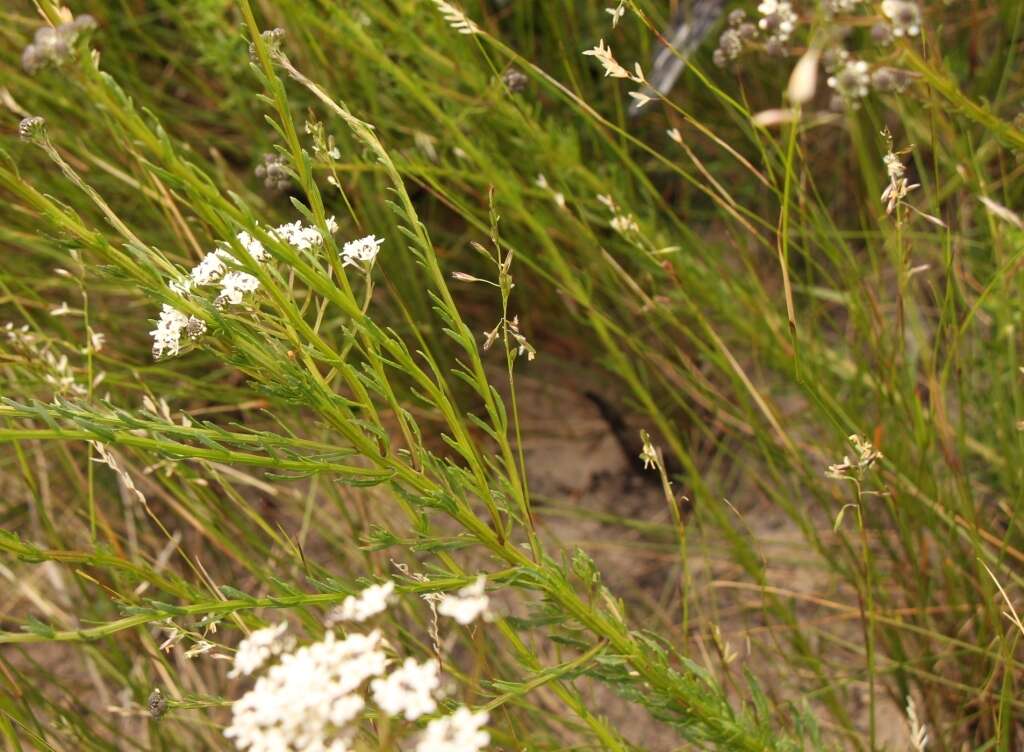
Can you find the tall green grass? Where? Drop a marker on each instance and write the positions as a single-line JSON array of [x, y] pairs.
[[764, 309]]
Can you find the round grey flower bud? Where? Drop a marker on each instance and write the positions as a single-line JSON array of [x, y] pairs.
[[515, 80], [32, 128]]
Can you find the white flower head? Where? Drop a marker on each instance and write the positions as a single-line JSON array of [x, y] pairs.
[[778, 20], [468, 605], [309, 699], [252, 246], [624, 224], [258, 647], [361, 251], [167, 335], [370, 602], [408, 690], [303, 237], [842, 6], [459, 732], [904, 15], [210, 269], [852, 81], [235, 285]]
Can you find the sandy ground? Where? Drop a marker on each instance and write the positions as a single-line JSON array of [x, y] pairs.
[[582, 479]]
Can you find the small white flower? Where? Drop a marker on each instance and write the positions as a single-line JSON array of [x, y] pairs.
[[370, 602], [258, 647], [252, 246], [842, 6], [309, 699], [904, 15], [303, 237], [97, 340], [852, 81], [624, 224], [210, 269], [235, 285], [167, 335], [362, 251], [458, 732], [408, 690], [182, 287], [675, 135], [778, 20], [468, 605]]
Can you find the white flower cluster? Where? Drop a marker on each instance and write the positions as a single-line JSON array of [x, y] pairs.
[[468, 605], [169, 328], [258, 647], [309, 700], [904, 15], [313, 699], [362, 251], [624, 224], [409, 690], [778, 20], [851, 82], [303, 237], [214, 268], [842, 6], [459, 732], [370, 602]]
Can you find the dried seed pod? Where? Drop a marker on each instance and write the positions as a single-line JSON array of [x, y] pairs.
[[156, 704]]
